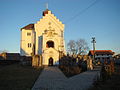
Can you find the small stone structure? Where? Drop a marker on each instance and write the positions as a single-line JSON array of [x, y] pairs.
[[89, 64], [37, 60]]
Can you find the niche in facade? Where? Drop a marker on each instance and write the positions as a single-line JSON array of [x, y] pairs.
[[50, 44]]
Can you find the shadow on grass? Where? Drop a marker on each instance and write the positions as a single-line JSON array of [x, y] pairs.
[[17, 77]]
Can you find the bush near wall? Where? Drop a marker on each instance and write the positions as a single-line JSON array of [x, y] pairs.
[[71, 67]]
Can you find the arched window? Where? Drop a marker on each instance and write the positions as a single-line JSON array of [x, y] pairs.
[[50, 44]]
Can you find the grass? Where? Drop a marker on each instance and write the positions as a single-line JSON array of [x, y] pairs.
[[17, 77]]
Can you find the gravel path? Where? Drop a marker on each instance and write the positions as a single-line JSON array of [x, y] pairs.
[[52, 78]]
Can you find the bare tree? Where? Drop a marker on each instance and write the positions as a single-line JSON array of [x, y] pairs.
[[71, 46], [81, 46], [78, 47]]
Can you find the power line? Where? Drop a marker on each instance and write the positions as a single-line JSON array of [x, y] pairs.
[[81, 12]]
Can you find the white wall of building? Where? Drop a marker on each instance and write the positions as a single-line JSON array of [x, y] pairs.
[[49, 28], [26, 39]]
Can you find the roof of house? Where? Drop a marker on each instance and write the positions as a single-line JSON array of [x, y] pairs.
[[91, 52], [28, 27]]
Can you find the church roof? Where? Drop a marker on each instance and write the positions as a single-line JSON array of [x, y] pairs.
[[28, 27]]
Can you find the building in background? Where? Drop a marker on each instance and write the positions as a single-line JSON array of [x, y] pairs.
[[117, 59], [9, 56], [101, 55], [45, 38]]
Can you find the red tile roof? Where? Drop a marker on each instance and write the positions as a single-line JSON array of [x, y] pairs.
[[101, 52], [28, 27]]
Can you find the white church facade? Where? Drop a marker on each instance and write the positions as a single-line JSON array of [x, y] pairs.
[[45, 38]]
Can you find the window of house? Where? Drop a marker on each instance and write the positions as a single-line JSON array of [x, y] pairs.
[[28, 34], [29, 45]]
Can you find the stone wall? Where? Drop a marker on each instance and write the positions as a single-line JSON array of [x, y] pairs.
[[37, 61]]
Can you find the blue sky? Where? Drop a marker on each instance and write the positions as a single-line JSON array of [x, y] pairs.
[[101, 20]]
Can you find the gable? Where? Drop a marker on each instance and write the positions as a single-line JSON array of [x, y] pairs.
[[49, 21]]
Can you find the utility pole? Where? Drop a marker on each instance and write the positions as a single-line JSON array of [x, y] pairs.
[[93, 41]]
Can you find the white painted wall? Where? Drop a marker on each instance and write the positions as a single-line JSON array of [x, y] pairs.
[[41, 34], [25, 39], [49, 23]]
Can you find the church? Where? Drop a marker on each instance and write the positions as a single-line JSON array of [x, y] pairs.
[[45, 38]]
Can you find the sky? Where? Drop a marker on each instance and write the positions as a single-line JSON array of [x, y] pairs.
[[82, 18]]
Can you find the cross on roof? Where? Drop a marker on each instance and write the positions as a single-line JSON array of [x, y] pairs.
[[46, 5]]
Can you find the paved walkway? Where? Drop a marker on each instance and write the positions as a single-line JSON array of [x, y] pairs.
[[52, 78]]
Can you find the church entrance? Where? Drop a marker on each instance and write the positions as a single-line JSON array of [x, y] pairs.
[[50, 61]]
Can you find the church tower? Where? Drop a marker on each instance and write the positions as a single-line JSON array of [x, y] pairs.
[[45, 38]]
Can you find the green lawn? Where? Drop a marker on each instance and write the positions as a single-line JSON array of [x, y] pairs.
[[17, 77]]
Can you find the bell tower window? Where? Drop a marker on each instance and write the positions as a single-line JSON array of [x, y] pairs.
[[29, 45], [50, 44]]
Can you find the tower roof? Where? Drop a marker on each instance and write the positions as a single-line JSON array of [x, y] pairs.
[[45, 12]]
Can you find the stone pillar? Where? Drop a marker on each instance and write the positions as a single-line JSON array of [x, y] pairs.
[[89, 64], [37, 61], [40, 60]]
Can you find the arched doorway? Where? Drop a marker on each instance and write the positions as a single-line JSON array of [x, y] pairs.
[[50, 61]]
